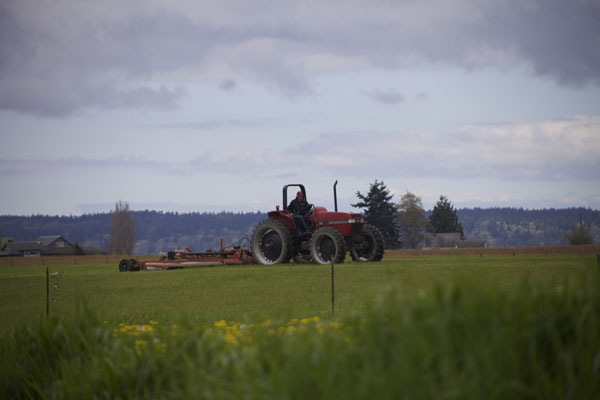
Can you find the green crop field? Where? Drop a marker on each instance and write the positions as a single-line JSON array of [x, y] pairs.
[[464, 325], [251, 293]]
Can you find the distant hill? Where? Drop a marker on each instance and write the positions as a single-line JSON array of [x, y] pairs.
[[158, 231], [517, 227]]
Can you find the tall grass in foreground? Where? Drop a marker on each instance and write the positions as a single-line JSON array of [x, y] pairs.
[[453, 341]]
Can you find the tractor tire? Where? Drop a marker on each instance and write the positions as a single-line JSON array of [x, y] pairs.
[[371, 247], [327, 246], [271, 243], [125, 265]]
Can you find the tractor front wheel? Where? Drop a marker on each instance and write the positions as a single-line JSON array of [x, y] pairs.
[[370, 247], [271, 243], [327, 246]]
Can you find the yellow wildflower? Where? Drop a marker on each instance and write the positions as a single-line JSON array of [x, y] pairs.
[[139, 345], [220, 324], [229, 337], [335, 325], [305, 321]]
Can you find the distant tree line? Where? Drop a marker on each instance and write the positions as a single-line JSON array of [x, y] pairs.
[[155, 231], [508, 227], [403, 225]]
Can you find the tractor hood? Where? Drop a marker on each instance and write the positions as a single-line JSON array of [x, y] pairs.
[[347, 223]]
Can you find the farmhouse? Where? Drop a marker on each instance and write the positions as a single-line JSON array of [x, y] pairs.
[[450, 240], [42, 246]]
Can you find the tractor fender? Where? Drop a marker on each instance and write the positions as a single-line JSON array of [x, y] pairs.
[[284, 217]]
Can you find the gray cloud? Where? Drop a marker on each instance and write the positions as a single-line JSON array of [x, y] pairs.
[[12, 167], [538, 161], [561, 150], [390, 96], [227, 85], [560, 39], [113, 55], [421, 96], [553, 150], [213, 124]]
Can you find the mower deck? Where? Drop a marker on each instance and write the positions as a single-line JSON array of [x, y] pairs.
[[180, 259]]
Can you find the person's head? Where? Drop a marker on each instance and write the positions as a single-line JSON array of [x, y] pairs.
[[299, 195]]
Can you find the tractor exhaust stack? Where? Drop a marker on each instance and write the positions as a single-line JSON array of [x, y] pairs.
[[335, 195]]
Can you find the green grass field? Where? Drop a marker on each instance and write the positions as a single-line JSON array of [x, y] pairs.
[[460, 326], [253, 293]]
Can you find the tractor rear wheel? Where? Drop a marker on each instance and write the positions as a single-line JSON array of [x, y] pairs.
[[371, 246], [271, 243], [327, 246]]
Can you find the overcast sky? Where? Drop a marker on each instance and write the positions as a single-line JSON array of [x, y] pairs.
[[210, 106]]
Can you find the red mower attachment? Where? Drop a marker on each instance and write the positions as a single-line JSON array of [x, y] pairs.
[[179, 259]]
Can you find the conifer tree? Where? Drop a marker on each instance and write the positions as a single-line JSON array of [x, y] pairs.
[[443, 218], [380, 212]]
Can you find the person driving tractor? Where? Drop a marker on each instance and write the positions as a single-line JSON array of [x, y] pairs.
[[300, 207]]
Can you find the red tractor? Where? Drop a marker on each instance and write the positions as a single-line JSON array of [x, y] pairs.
[[325, 239]]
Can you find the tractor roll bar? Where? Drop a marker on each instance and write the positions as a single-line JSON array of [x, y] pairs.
[[302, 189]]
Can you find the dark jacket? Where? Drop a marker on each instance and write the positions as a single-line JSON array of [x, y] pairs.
[[299, 206]]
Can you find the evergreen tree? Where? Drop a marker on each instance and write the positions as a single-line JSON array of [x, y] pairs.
[[380, 212], [411, 219], [443, 218]]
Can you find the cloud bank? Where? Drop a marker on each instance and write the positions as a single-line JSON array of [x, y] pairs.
[[552, 151], [112, 54]]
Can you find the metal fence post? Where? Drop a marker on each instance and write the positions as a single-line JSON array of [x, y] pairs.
[[332, 289], [47, 293]]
